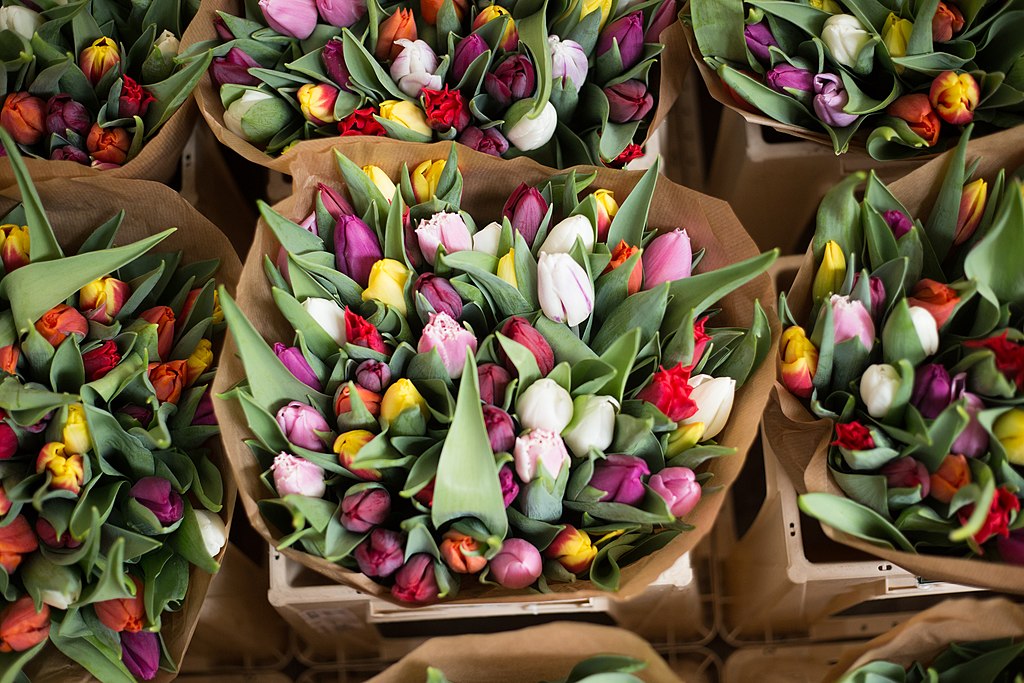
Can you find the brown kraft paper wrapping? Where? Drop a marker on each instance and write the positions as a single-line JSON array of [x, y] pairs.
[[488, 183], [75, 206], [925, 635], [541, 653], [207, 93], [800, 441]]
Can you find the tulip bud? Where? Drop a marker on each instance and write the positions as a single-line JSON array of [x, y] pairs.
[[381, 554], [64, 114], [20, 20], [850, 320], [425, 179], [21, 626], [292, 18], [155, 494], [714, 398], [669, 257], [876, 293], [832, 272], [665, 15], [387, 284], [878, 388], [405, 114], [759, 38], [365, 509], [48, 535], [510, 36], [493, 380], [568, 62], [620, 255], [953, 474], [462, 553], [234, 68], [101, 360], [416, 582], [917, 111], [1004, 509], [24, 117], [932, 390], [57, 586], [787, 79], [140, 653], [592, 424], [926, 329], [512, 80], [628, 33], [66, 470], [213, 531], [607, 207], [99, 58], [679, 488], [257, 116], [972, 208], [124, 614], [517, 565], [164, 319], [5, 503], [799, 361], [621, 479], [356, 248], [402, 396], [293, 360], [347, 447], [360, 332], [500, 430], [946, 22], [76, 432], [562, 238], [907, 473], [954, 97], [528, 133], [199, 361], [539, 449], [830, 100], [303, 426], [204, 414], [14, 246], [102, 299], [333, 59], [168, 380], [413, 69], [1011, 548], [936, 298], [373, 375], [489, 141], [525, 209], [443, 229], [317, 103], [430, 8], [683, 438], [16, 541], [628, 101], [1009, 431], [108, 145], [466, 52], [898, 222], [845, 38], [507, 268], [399, 26], [896, 36], [450, 340], [297, 476], [167, 44], [341, 13], [343, 400], [134, 99], [520, 331], [381, 180], [545, 405], [973, 440], [440, 294], [572, 549], [329, 316]]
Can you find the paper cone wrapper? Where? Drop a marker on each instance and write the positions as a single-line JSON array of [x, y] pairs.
[[75, 206], [800, 440], [488, 183]]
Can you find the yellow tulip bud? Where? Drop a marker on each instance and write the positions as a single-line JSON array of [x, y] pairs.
[[76, 431], [607, 207], [799, 361], [684, 438], [401, 396], [830, 6], [507, 267], [14, 246], [425, 178], [572, 549], [379, 178], [348, 445], [831, 273], [406, 114], [199, 361], [1009, 430], [218, 312], [896, 35], [387, 284]]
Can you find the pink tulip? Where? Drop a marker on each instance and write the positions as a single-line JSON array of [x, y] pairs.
[[443, 229], [669, 257], [300, 424], [679, 487], [297, 476], [381, 554], [293, 18], [539, 448], [451, 341], [850, 320], [517, 565], [365, 509], [415, 582], [621, 478]]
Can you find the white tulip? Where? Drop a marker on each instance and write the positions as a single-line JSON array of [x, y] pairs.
[[329, 316], [568, 61], [845, 37], [562, 237], [486, 240], [592, 425], [414, 67], [257, 116], [878, 388], [565, 291], [215, 534], [168, 45], [59, 586], [927, 330], [714, 397], [20, 20], [544, 405], [526, 133]]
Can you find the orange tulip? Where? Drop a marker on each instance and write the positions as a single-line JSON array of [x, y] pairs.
[[9, 356], [16, 539], [430, 8], [343, 401], [348, 445], [108, 145], [401, 24], [24, 117], [22, 627], [620, 255], [917, 111], [67, 471], [14, 246], [946, 22], [972, 208], [124, 614], [462, 553], [936, 298], [163, 318], [60, 321], [954, 96], [168, 379], [799, 361], [953, 474]]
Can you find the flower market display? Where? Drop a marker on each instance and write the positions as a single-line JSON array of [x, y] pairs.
[[901, 78], [95, 81], [910, 353], [562, 82], [520, 398], [112, 502]]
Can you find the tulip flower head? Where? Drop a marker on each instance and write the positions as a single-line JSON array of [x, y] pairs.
[[568, 62], [22, 626], [341, 13], [627, 33], [572, 549], [381, 554], [954, 97], [101, 360], [102, 299], [297, 476], [853, 436], [291, 357], [98, 58], [405, 114], [545, 405], [510, 36], [784, 77], [416, 581], [759, 38], [450, 340], [75, 433], [60, 322], [850, 320], [592, 425], [292, 18], [463, 554], [16, 541], [830, 100], [402, 396], [446, 230], [946, 22], [565, 290], [938, 299], [607, 207], [365, 509], [679, 488], [373, 375], [124, 614], [347, 447], [917, 111], [525, 209], [156, 494], [878, 388], [20, 20], [513, 79], [303, 426], [466, 52], [66, 470], [387, 284], [799, 361], [527, 132], [972, 208], [925, 328], [932, 390], [973, 440], [621, 479], [537, 449], [168, 380], [24, 117], [413, 69], [517, 565], [489, 141], [669, 392], [907, 473], [669, 257], [140, 652], [831, 273], [896, 36], [14, 246], [953, 474], [846, 38], [1009, 431], [714, 398], [317, 103], [1003, 511]]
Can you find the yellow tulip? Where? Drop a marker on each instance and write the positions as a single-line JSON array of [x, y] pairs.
[[199, 361], [425, 178], [896, 35], [387, 284], [401, 396], [405, 114], [379, 178], [507, 268], [684, 438], [832, 272], [76, 431], [1009, 430]]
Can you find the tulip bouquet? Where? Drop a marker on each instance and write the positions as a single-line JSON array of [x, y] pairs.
[[562, 82], [990, 660], [92, 81], [916, 356], [107, 495], [516, 403], [908, 75]]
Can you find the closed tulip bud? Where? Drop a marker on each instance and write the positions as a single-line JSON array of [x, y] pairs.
[[500, 430], [440, 294], [525, 209], [621, 479], [360, 332], [1009, 431], [799, 361], [373, 375], [292, 359], [16, 541], [509, 487], [946, 22], [303, 426], [76, 430], [446, 230], [317, 103], [103, 299], [140, 653], [101, 360], [134, 99], [572, 549], [198, 361], [402, 396], [69, 153], [20, 20], [517, 565], [545, 405], [917, 111], [381, 180], [785, 78], [953, 474], [156, 494], [57, 586], [234, 68], [528, 133], [489, 141], [9, 443], [399, 26], [522, 332], [832, 272], [341, 13], [99, 58], [381, 554], [466, 52], [416, 582], [932, 390], [14, 246], [297, 476], [926, 329], [168, 380], [463, 554], [850, 320], [679, 488], [365, 509], [565, 290], [108, 145], [954, 97], [507, 268], [22, 627], [64, 114], [972, 208], [714, 398], [329, 316], [665, 15], [124, 614], [343, 400], [493, 380], [48, 535], [669, 257], [620, 255], [562, 238], [9, 356], [592, 424], [845, 38], [607, 207], [167, 44], [759, 38], [164, 319], [568, 62], [973, 440], [628, 33], [510, 36], [539, 451], [257, 116], [425, 178], [332, 57], [356, 248], [347, 447], [387, 284], [669, 392], [512, 80], [66, 470], [936, 298], [898, 222], [413, 69], [628, 101], [907, 473], [878, 388], [292, 18], [896, 35], [24, 117], [213, 531], [450, 340], [830, 100]]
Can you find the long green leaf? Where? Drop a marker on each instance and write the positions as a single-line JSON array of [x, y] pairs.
[[43, 244]]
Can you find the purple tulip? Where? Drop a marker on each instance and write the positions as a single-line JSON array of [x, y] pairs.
[[525, 209], [64, 114], [973, 440], [829, 99], [621, 479], [666, 15], [297, 476], [356, 249], [679, 488], [1011, 548], [142, 414], [302, 426], [337, 206], [759, 38], [292, 18], [877, 290], [381, 554], [69, 153], [440, 294], [373, 375], [223, 32], [509, 487], [234, 68], [898, 222], [669, 257], [850, 320], [333, 59], [341, 13], [416, 581], [628, 32], [140, 653], [517, 565], [365, 509], [628, 101], [785, 76], [500, 430], [906, 473], [204, 414], [489, 140], [292, 358], [932, 390], [494, 380], [155, 494], [513, 80], [466, 52]]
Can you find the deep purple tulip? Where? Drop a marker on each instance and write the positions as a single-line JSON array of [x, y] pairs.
[[223, 32], [906, 473], [234, 68], [898, 222], [973, 440], [759, 38], [356, 249], [63, 114], [666, 15], [494, 381], [877, 289], [932, 390], [333, 59], [784, 76], [296, 363], [142, 414], [468, 49], [140, 652], [336, 204], [204, 414], [525, 209], [69, 153], [509, 487], [500, 430], [829, 99], [628, 101], [628, 32], [440, 294], [1011, 548], [514, 79], [621, 478], [155, 493], [489, 141]]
